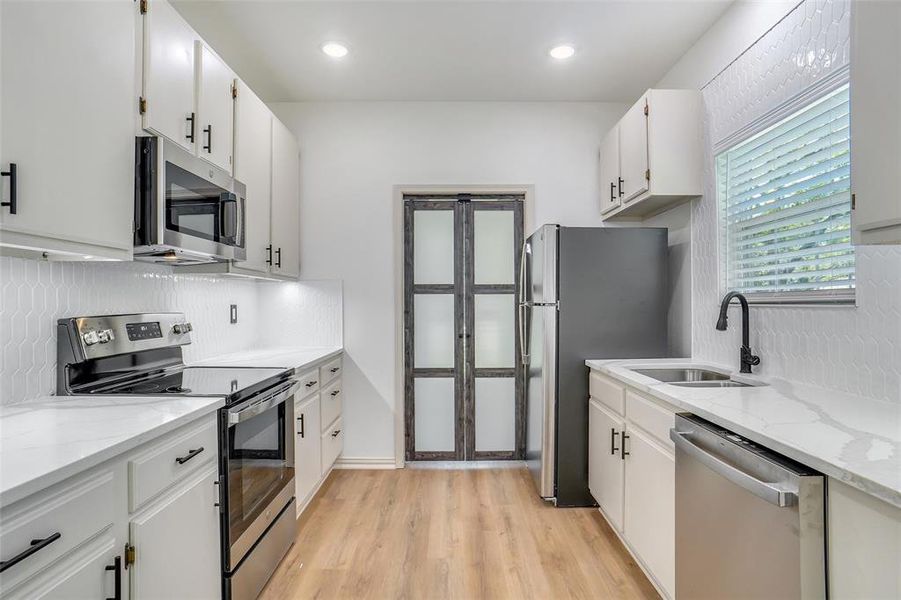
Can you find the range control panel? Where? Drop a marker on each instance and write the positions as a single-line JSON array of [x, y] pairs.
[[102, 336]]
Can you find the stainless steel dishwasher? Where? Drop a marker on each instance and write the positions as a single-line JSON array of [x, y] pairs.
[[750, 523]]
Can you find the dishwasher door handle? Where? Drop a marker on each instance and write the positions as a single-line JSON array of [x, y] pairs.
[[772, 493]]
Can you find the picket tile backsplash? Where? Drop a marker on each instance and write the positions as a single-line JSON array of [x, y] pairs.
[[34, 294], [853, 349]]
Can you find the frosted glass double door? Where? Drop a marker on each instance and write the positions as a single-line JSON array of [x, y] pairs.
[[463, 380]]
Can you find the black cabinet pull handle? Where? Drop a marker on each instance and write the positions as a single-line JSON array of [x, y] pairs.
[[310, 384], [335, 393], [117, 568], [12, 174], [620, 186], [622, 451], [613, 448], [300, 433], [36, 546], [208, 130], [269, 254], [191, 454], [612, 191], [278, 258], [190, 134], [334, 369], [336, 432]]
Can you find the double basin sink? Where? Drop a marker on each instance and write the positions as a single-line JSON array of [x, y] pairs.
[[692, 377]]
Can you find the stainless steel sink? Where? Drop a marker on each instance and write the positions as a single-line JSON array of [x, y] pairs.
[[710, 384], [684, 375]]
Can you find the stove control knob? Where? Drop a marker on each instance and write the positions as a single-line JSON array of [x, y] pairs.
[[90, 337], [105, 336], [180, 328]]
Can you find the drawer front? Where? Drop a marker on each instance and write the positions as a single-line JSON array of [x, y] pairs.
[[608, 392], [332, 402], [330, 370], [650, 416], [171, 459], [63, 517], [332, 445], [309, 383]]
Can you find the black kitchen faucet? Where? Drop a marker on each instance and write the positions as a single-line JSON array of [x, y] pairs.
[[747, 358]]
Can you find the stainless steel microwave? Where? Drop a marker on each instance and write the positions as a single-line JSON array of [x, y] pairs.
[[187, 211]]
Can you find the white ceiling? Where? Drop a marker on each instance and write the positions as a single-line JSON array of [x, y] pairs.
[[451, 50]]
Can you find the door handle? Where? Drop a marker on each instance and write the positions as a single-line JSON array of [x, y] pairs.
[[523, 342], [613, 448], [620, 186], [612, 191], [190, 134], [116, 567], [278, 258], [772, 493], [269, 254], [622, 445], [35, 547], [300, 433], [191, 454], [12, 173], [208, 130]]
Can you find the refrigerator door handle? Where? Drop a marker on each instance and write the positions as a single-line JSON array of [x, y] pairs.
[[523, 306]]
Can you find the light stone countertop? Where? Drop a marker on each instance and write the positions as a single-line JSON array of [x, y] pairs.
[[280, 358], [47, 440], [851, 438]]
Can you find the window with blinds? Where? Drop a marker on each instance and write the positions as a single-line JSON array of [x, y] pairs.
[[785, 202]]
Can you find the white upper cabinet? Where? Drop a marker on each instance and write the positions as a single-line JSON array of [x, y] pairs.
[[169, 71], [611, 186], [215, 107], [876, 122], [633, 151], [659, 158], [67, 123], [285, 202], [253, 168]]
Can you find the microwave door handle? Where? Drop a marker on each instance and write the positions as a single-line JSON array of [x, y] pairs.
[[228, 227]]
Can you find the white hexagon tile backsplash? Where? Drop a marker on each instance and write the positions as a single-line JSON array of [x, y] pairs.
[[852, 349], [34, 294]]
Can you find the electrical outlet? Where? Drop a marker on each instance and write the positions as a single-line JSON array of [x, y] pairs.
[[233, 314]]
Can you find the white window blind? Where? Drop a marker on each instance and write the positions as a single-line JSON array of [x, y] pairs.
[[785, 203]]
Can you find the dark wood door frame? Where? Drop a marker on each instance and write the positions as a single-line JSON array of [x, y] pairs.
[[464, 289]]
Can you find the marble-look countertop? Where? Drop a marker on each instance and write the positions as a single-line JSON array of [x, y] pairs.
[[851, 438], [280, 358], [46, 440]]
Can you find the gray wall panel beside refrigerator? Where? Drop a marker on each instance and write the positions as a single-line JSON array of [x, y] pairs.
[[610, 301]]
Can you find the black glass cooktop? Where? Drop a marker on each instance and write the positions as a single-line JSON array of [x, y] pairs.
[[195, 381]]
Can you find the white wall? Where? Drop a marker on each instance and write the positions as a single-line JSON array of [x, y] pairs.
[[352, 156], [853, 349]]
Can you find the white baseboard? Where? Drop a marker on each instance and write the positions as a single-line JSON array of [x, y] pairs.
[[365, 462]]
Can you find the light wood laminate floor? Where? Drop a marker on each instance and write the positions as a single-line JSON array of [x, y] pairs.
[[468, 534]]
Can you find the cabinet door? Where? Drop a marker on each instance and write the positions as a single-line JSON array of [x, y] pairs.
[[285, 201], [88, 573], [609, 171], [67, 110], [633, 151], [650, 506], [307, 448], [253, 168], [169, 66], [605, 463], [876, 122], [177, 543], [215, 108]]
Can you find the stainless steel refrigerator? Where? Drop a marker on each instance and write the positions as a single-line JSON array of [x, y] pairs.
[[585, 292]]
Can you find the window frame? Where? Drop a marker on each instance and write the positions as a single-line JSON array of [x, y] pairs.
[[811, 95]]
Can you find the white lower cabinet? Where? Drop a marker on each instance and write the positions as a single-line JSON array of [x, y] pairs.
[[605, 465], [307, 449], [176, 542], [332, 445], [631, 474]]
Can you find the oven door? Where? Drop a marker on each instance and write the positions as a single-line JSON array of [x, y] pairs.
[[258, 467]]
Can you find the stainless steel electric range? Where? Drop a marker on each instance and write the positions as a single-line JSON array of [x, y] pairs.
[[141, 354]]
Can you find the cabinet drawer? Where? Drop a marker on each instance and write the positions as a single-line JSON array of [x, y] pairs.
[[330, 370], [332, 445], [331, 403], [610, 393], [651, 417], [171, 459], [310, 382], [64, 517]]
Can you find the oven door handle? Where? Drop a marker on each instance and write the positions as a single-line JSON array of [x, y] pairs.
[[254, 406]]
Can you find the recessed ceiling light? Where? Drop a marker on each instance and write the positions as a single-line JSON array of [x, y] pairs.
[[334, 49], [562, 52]]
